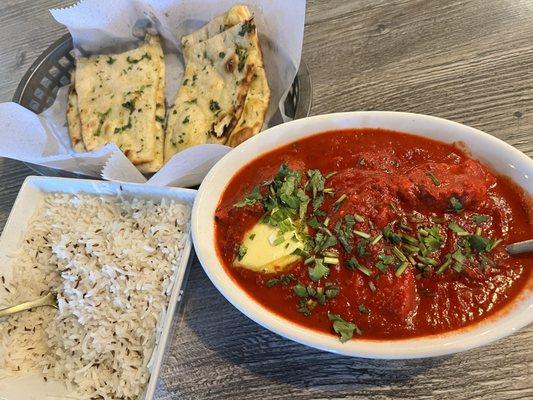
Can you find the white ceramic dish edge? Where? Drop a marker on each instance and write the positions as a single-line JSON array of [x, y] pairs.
[[31, 193], [493, 152]]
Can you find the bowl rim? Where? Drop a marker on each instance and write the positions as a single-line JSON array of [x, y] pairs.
[[513, 317]]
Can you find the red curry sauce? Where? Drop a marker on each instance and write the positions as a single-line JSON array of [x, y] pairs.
[[405, 182]]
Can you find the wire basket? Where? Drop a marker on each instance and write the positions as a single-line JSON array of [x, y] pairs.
[[38, 89]]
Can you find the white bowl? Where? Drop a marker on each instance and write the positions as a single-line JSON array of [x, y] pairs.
[[499, 156]]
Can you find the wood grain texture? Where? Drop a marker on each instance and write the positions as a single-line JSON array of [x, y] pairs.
[[469, 61]]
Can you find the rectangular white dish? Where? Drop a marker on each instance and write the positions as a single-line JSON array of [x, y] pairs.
[[32, 386]]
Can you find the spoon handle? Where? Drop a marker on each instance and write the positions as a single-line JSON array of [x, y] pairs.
[[520, 247], [47, 300]]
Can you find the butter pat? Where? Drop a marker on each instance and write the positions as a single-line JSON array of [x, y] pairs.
[[266, 251]]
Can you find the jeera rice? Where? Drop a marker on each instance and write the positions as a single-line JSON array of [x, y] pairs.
[[111, 262]]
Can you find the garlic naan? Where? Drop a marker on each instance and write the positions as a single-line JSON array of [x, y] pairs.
[[258, 97], [117, 100], [215, 83]]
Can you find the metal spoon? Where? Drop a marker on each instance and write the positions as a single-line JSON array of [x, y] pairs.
[[47, 300], [520, 247]]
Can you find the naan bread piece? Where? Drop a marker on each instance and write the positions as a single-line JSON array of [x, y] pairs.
[[219, 24], [258, 97], [117, 96], [211, 98], [157, 163], [74, 126], [256, 104], [73, 120]]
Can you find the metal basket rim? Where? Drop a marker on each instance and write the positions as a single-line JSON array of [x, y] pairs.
[[21, 88]]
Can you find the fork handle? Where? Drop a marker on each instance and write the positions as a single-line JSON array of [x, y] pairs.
[[47, 300]]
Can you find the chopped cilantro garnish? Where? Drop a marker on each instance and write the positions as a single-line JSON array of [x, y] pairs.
[[433, 240], [272, 282], [483, 244], [398, 253], [359, 218], [362, 247], [300, 290], [411, 249], [456, 204], [458, 256], [433, 178], [339, 201], [343, 230], [363, 310], [384, 260], [332, 290], [427, 260], [241, 252], [313, 223], [315, 183], [401, 269], [390, 236], [251, 199], [457, 267], [111, 60], [286, 279], [376, 240], [331, 260], [354, 264], [409, 239], [444, 266], [304, 201], [480, 218], [454, 226], [364, 235], [317, 202], [323, 242], [343, 328], [305, 306], [318, 271]]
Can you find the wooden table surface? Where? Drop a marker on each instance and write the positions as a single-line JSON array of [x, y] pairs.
[[468, 61]]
